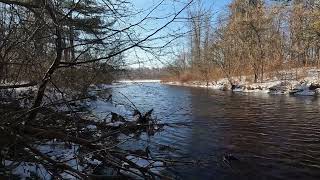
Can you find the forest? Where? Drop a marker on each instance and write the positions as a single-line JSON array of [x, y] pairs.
[[55, 56], [254, 41], [59, 59]]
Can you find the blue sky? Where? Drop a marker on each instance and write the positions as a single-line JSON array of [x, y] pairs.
[[166, 10], [218, 4]]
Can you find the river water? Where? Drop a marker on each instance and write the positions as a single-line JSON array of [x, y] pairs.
[[231, 135]]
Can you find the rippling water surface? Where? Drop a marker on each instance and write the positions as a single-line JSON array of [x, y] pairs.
[[272, 137]]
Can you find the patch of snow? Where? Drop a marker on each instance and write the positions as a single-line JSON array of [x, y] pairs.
[[26, 170], [156, 166], [92, 127], [283, 82], [306, 93], [116, 124]]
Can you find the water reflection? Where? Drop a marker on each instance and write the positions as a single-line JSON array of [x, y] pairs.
[[274, 137]]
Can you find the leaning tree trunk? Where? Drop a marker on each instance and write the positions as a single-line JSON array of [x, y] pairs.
[[55, 64]]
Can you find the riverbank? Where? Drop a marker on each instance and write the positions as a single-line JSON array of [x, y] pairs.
[[286, 83], [70, 133]]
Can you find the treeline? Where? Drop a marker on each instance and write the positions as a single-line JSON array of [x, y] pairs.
[[142, 73], [254, 37]]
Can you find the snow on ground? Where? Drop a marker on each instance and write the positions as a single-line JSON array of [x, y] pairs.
[[25, 170], [56, 151], [102, 108], [68, 152], [284, 83]]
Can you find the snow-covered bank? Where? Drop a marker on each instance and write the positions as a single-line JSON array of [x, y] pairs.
[[71, 143], [287, 84], [140, 81]]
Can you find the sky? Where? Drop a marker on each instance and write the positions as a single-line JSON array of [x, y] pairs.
[[139, 58], [217, 4]]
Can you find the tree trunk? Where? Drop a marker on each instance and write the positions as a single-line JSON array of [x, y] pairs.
[[59, 51], [255, 77]]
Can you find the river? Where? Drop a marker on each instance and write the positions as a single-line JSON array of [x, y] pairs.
[[231, 135]]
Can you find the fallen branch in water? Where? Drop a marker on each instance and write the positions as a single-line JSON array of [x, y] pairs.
[[62, 129]]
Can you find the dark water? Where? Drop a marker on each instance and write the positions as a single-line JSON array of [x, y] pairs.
[[272, 137]]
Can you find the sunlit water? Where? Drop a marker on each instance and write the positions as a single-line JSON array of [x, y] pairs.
[[273, 137]]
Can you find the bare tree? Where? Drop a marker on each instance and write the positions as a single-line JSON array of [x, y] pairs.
[[58, 43]]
